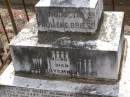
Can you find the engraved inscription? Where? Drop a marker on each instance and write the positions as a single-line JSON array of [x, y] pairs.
[[37, 64], [69, 21], [59, 63], [63, 62], [68, 18], [26, 92]]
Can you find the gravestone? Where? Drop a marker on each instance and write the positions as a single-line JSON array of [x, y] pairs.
[[74, 41], [68, 57], [81, 16]]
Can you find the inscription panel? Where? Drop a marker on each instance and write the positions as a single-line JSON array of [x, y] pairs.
[[69, 19], [73, 63], [26, 92], [7, 91]]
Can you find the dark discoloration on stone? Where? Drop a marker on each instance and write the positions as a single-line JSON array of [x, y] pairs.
[[35, 60]]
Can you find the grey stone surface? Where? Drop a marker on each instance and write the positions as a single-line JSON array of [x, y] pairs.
[[81, 16], [15, 86], [74, 58]]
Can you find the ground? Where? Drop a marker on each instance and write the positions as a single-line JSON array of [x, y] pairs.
[[20, 19]]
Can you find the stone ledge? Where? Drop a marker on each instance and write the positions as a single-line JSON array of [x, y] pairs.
[[15, 85]]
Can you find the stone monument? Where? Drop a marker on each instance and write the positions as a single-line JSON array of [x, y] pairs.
[[73, 41], [66, 57]]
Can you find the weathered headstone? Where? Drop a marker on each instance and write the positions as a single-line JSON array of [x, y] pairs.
[[68, 53], [81, 16], [64, 56]]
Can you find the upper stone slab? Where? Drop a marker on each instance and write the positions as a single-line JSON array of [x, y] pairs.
[[82, 16], [68, 3], [108, 35]]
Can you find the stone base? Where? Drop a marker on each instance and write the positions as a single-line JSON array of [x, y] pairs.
[[7, 91], [15, 86], [67, 57], [69, 16]]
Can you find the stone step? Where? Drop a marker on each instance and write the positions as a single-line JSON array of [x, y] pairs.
[[66, 58], [66, 16], [15, 86]]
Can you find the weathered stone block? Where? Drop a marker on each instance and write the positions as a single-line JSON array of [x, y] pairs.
[[69, 15], [71, 57], [56, 90], [15, 86]]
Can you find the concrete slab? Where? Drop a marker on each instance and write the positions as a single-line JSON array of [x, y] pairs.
[[81, 16], [66, 58]]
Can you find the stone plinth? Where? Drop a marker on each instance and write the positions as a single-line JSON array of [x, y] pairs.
[[15, 86], [69, 15], [66, 57]]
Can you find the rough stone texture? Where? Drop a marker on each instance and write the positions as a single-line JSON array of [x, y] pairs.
[[81, 58], [15, 86], [69, 15]]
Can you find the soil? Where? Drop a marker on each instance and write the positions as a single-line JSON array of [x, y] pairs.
[[20, 19]]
